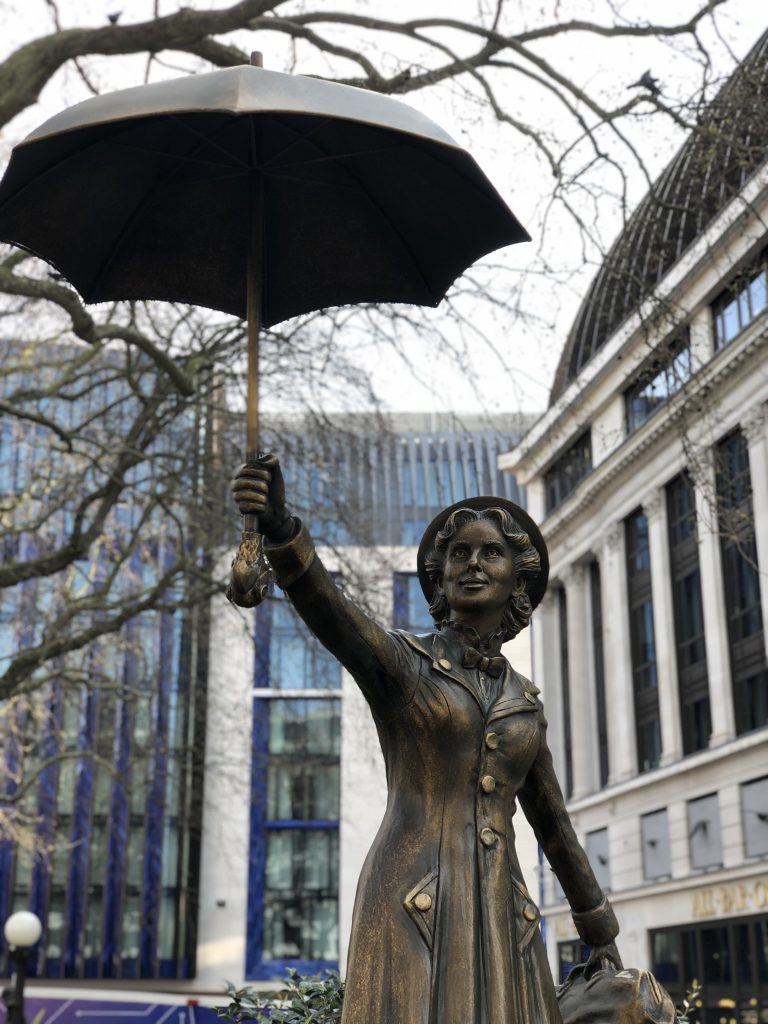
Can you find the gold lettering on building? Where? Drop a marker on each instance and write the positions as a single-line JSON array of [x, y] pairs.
[[703, 904], [734, 898]]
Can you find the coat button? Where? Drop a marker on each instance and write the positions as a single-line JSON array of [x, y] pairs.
[[487, 836], [491, 740], [445, 664], [423, 901], [529, 913], [488, 783]]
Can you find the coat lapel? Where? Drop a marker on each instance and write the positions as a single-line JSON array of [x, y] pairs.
[[518, 694], [446, 662]]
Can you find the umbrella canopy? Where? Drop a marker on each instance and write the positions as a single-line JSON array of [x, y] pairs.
[[165, 191]]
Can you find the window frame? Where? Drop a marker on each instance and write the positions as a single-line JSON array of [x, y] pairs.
[[257, 966], [661, 367], [640, 600], [692, 675], [568, 470], [749, 676], [737, 298]]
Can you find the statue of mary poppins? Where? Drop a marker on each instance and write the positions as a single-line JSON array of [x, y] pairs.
[[444, 929]]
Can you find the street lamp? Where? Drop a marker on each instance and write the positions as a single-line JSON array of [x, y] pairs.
[[22, 930]]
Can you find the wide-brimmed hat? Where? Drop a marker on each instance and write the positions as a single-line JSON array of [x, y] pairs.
[[535, 587]]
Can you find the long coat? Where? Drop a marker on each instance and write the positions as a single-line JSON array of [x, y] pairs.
[[444, 929]]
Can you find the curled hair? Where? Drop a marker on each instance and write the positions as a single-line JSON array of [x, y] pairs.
[[525, 559]]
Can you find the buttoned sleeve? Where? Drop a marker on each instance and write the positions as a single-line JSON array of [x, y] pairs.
[[378, 661], [542, 801]]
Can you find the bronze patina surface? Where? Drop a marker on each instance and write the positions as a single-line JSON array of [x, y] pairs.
[[445, 930]]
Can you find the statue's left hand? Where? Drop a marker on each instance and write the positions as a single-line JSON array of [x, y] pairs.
[[258, 488], [600, 953]]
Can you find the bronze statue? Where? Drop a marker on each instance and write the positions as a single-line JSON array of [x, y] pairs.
[[444, 929]]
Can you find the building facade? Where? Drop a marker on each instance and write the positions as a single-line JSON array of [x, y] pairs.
[[649, 474], [99, 770]]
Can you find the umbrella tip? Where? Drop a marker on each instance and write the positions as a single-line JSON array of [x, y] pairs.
[[257, 59]]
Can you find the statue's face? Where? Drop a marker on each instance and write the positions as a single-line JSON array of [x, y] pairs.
[[478, 572]]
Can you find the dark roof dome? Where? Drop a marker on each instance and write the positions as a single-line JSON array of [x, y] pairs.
[[713, 164]]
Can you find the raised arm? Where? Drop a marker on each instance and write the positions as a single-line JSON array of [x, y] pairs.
[[370, 653], [542, 801]]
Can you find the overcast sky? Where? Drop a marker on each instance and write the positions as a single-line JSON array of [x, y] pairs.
[[608, 68]]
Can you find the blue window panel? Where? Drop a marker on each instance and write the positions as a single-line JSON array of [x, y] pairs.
[[758, 294], [287, 655], [567, 472], [119, 826], [410, 611], [293, 864], [447, 492], [656, 385], [741, 303], [151, 895], [80, 839], [639, 553]]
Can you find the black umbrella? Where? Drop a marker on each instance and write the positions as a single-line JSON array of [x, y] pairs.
[[256, 193]]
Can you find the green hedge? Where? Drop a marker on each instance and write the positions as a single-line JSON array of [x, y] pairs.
[[304, 1001]]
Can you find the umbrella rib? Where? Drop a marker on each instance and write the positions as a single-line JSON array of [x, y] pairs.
[[159, 183], [337, 186], [341, 156], [383, 214], [305, 137], [207, 140], [181, 157], [387, 220]]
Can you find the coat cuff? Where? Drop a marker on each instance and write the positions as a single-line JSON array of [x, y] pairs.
[[598, 926], [290, 559]]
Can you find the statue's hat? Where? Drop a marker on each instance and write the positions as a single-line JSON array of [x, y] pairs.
[[536, 586]]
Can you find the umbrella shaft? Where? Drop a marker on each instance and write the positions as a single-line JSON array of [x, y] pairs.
[[254, 314], [254, 328]]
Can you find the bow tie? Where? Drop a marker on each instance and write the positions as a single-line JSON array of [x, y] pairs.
[[474, 659]]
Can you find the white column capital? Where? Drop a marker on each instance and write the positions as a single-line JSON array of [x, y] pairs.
[[654, 504], [613, 539], [753, 425], [573, 576]]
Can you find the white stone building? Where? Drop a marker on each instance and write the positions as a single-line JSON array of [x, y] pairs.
[[649, 474]]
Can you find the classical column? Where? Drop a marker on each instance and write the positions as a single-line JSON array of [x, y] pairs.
[[546, 673], [583, 731], [619, 699], [713, 606], [756, 433], [655, 509]]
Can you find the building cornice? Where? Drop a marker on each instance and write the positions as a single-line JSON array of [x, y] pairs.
[[547, 435], [687, 883], [676, 770], [710, 377]]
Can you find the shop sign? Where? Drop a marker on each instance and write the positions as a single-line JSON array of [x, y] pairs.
[[730, 898]]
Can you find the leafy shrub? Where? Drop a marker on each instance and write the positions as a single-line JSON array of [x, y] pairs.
[[691, 1002], [306, 1001]]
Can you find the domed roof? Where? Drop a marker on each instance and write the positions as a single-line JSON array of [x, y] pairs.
[[720, 154]]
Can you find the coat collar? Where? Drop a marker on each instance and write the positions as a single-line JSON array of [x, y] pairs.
[[517, 693]]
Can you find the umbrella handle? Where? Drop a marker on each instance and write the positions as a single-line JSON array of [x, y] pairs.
[[251, 519], [250, 556]]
